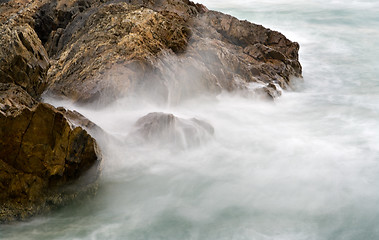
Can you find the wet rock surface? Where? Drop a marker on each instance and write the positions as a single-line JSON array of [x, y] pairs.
[[23, 59], [41, 154]]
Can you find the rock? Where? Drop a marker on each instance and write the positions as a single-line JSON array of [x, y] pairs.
[[103, 49], [41, 155], [98, 50], [23, 59], [13, 99], [239, 52], [118, 49], [117, 36], [168, 130]]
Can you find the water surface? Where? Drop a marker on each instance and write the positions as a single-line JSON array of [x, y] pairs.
[[303, 167]]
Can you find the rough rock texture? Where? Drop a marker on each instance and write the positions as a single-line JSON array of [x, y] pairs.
[[167, 129], [102, 49], [41, 153], [13, 99], [239, 52], [106, 49], [121, 35], [23, 59]]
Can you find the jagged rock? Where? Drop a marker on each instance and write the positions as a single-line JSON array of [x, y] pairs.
[[104, 49], [41, 154], [196, 50], [239, 50], [121, 36], [168, 50], [23, 59], [167, 129], [13, 99]]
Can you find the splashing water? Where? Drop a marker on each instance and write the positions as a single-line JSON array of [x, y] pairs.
[[303, 167]]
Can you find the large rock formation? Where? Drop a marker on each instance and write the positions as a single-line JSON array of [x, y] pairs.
[[171, 47], [125, 37], [41, 153], [106, 49], [99, 50], [46, 158]]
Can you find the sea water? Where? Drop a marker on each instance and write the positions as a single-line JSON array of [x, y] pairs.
[[305, 166]]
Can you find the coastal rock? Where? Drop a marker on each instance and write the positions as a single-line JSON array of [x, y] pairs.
[[240, 52], [104, 49], [95, 51], [124, 48], [41, 154], [166, 129], [118, 36], [23, 59], [13, 99]]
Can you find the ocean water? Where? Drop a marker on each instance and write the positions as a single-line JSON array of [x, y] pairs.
[[305, 167]]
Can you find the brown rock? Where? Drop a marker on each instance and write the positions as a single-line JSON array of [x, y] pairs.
[[241, 52], [167, 50], [13, 99], [118, 49], [106, 49], [41, 152], [117, 36], [23, 59]]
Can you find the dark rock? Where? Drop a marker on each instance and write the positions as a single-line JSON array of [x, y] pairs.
[[23, 59], [245, 52], [41, 154]]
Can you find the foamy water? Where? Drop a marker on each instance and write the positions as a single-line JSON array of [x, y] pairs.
[[303, 167]]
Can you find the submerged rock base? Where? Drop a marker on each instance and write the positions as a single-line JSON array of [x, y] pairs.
[[164, 129]]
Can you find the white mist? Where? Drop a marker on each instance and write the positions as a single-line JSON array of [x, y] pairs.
[[305, 166]]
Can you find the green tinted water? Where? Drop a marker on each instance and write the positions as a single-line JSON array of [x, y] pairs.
[[306, 167]]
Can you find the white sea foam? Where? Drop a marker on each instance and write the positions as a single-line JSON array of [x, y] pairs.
[[303, 167]]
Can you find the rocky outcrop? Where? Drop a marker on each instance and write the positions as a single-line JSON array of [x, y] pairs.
[[239, 52], [106, 49], [165, 129], [41, 154], [102, 50], [98, 50], [125, 38], [23, 59]]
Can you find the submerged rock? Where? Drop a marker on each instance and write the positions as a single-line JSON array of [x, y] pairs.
[[167, 129], [41, 154]]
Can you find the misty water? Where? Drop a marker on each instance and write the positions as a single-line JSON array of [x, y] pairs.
[[305, 166]]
